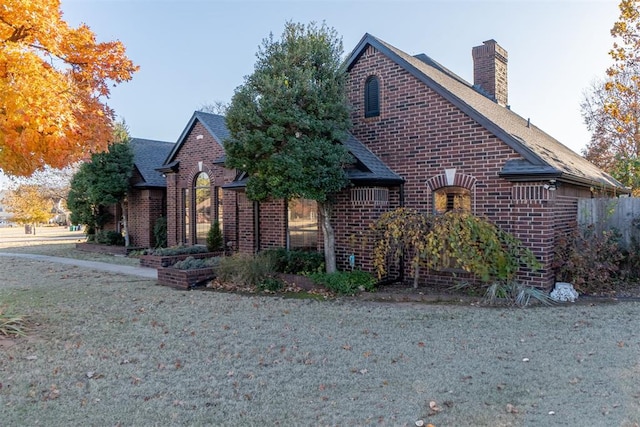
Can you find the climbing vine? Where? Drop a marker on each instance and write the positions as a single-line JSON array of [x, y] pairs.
[[453, 240], [401, 233]]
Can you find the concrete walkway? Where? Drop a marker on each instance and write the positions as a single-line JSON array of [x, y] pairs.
[[149, 273]]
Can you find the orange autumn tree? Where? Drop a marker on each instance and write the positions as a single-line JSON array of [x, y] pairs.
[[53, 80]]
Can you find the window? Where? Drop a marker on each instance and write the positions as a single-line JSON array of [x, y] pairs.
[[372, 97], [202, 205], [219, 205], [186, 206], [447, 199], [302, 224]]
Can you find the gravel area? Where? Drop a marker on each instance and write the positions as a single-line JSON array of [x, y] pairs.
[[108, 349]]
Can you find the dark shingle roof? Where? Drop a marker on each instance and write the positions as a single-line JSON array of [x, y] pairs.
[[368, 168], [543, 155], [147, 156]]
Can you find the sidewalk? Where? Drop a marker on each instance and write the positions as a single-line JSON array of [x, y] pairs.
[[148, 273]]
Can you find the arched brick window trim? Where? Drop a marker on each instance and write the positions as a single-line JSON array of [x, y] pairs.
[[453, 178], [191, 178]]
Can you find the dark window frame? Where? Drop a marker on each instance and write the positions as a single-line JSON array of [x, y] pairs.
[[372, 97]]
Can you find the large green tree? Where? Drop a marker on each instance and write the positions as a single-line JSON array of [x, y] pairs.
[[287, 120], [103, 181], [611, 108]]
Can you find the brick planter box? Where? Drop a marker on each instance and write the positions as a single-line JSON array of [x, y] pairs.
[[159, 261], [184, 279], [105, 249]]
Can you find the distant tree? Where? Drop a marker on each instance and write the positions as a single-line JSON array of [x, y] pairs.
[[287, 120], [103, 181], [53, 184], [217, 107], [28, 205], [53, 80], [611, 108]]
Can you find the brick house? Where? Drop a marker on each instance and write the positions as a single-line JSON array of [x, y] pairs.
[[146, 198], [422, 138]]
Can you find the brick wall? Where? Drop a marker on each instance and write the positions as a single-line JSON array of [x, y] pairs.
[[419, 135], [197, 154], [145, 207]]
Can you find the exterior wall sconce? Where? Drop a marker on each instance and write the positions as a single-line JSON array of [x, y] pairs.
[[551, 186]]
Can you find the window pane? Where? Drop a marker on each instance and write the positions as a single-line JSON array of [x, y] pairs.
[[220, 205], [451, 199], [303, 224], [187, 209], [371, 97], [202, 208]]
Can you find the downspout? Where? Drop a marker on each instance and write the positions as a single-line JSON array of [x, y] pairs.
[[237, 209], [256, 227], [401, 261]]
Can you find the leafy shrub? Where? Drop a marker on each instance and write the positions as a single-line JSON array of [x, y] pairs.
[[452, 240], [215, 242], [245, 270], [589, 260], [477, 246], [271, 284], [178, 250], [295, 261], [160, 232], [346, 282], [112, 238], [191, 263]]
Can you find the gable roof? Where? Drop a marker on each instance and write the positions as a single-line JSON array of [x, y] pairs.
[[368, 168], [147, 156], [213, 123], [543, 156]]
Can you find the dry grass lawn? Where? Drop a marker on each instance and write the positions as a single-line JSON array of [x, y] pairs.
[[109, 349]]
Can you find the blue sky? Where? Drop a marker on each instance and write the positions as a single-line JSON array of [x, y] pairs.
[[197, 52]]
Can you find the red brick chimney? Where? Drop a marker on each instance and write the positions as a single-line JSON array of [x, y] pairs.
[[490, 71]]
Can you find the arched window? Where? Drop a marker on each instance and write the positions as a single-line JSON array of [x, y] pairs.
[[372, 97], [202, 207], [451, 198]]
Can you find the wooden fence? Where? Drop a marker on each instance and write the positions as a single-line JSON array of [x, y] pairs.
[[622, 215]]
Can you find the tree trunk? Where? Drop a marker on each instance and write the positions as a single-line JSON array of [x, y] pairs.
[[125, 225], [328, 235]]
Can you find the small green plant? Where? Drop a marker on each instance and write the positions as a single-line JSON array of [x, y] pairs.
[[160, 232], [11, 325], [295, 261], [215, 241], [191, 263], [178, 250], [271, 284], [109, 237], [346, 282]]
